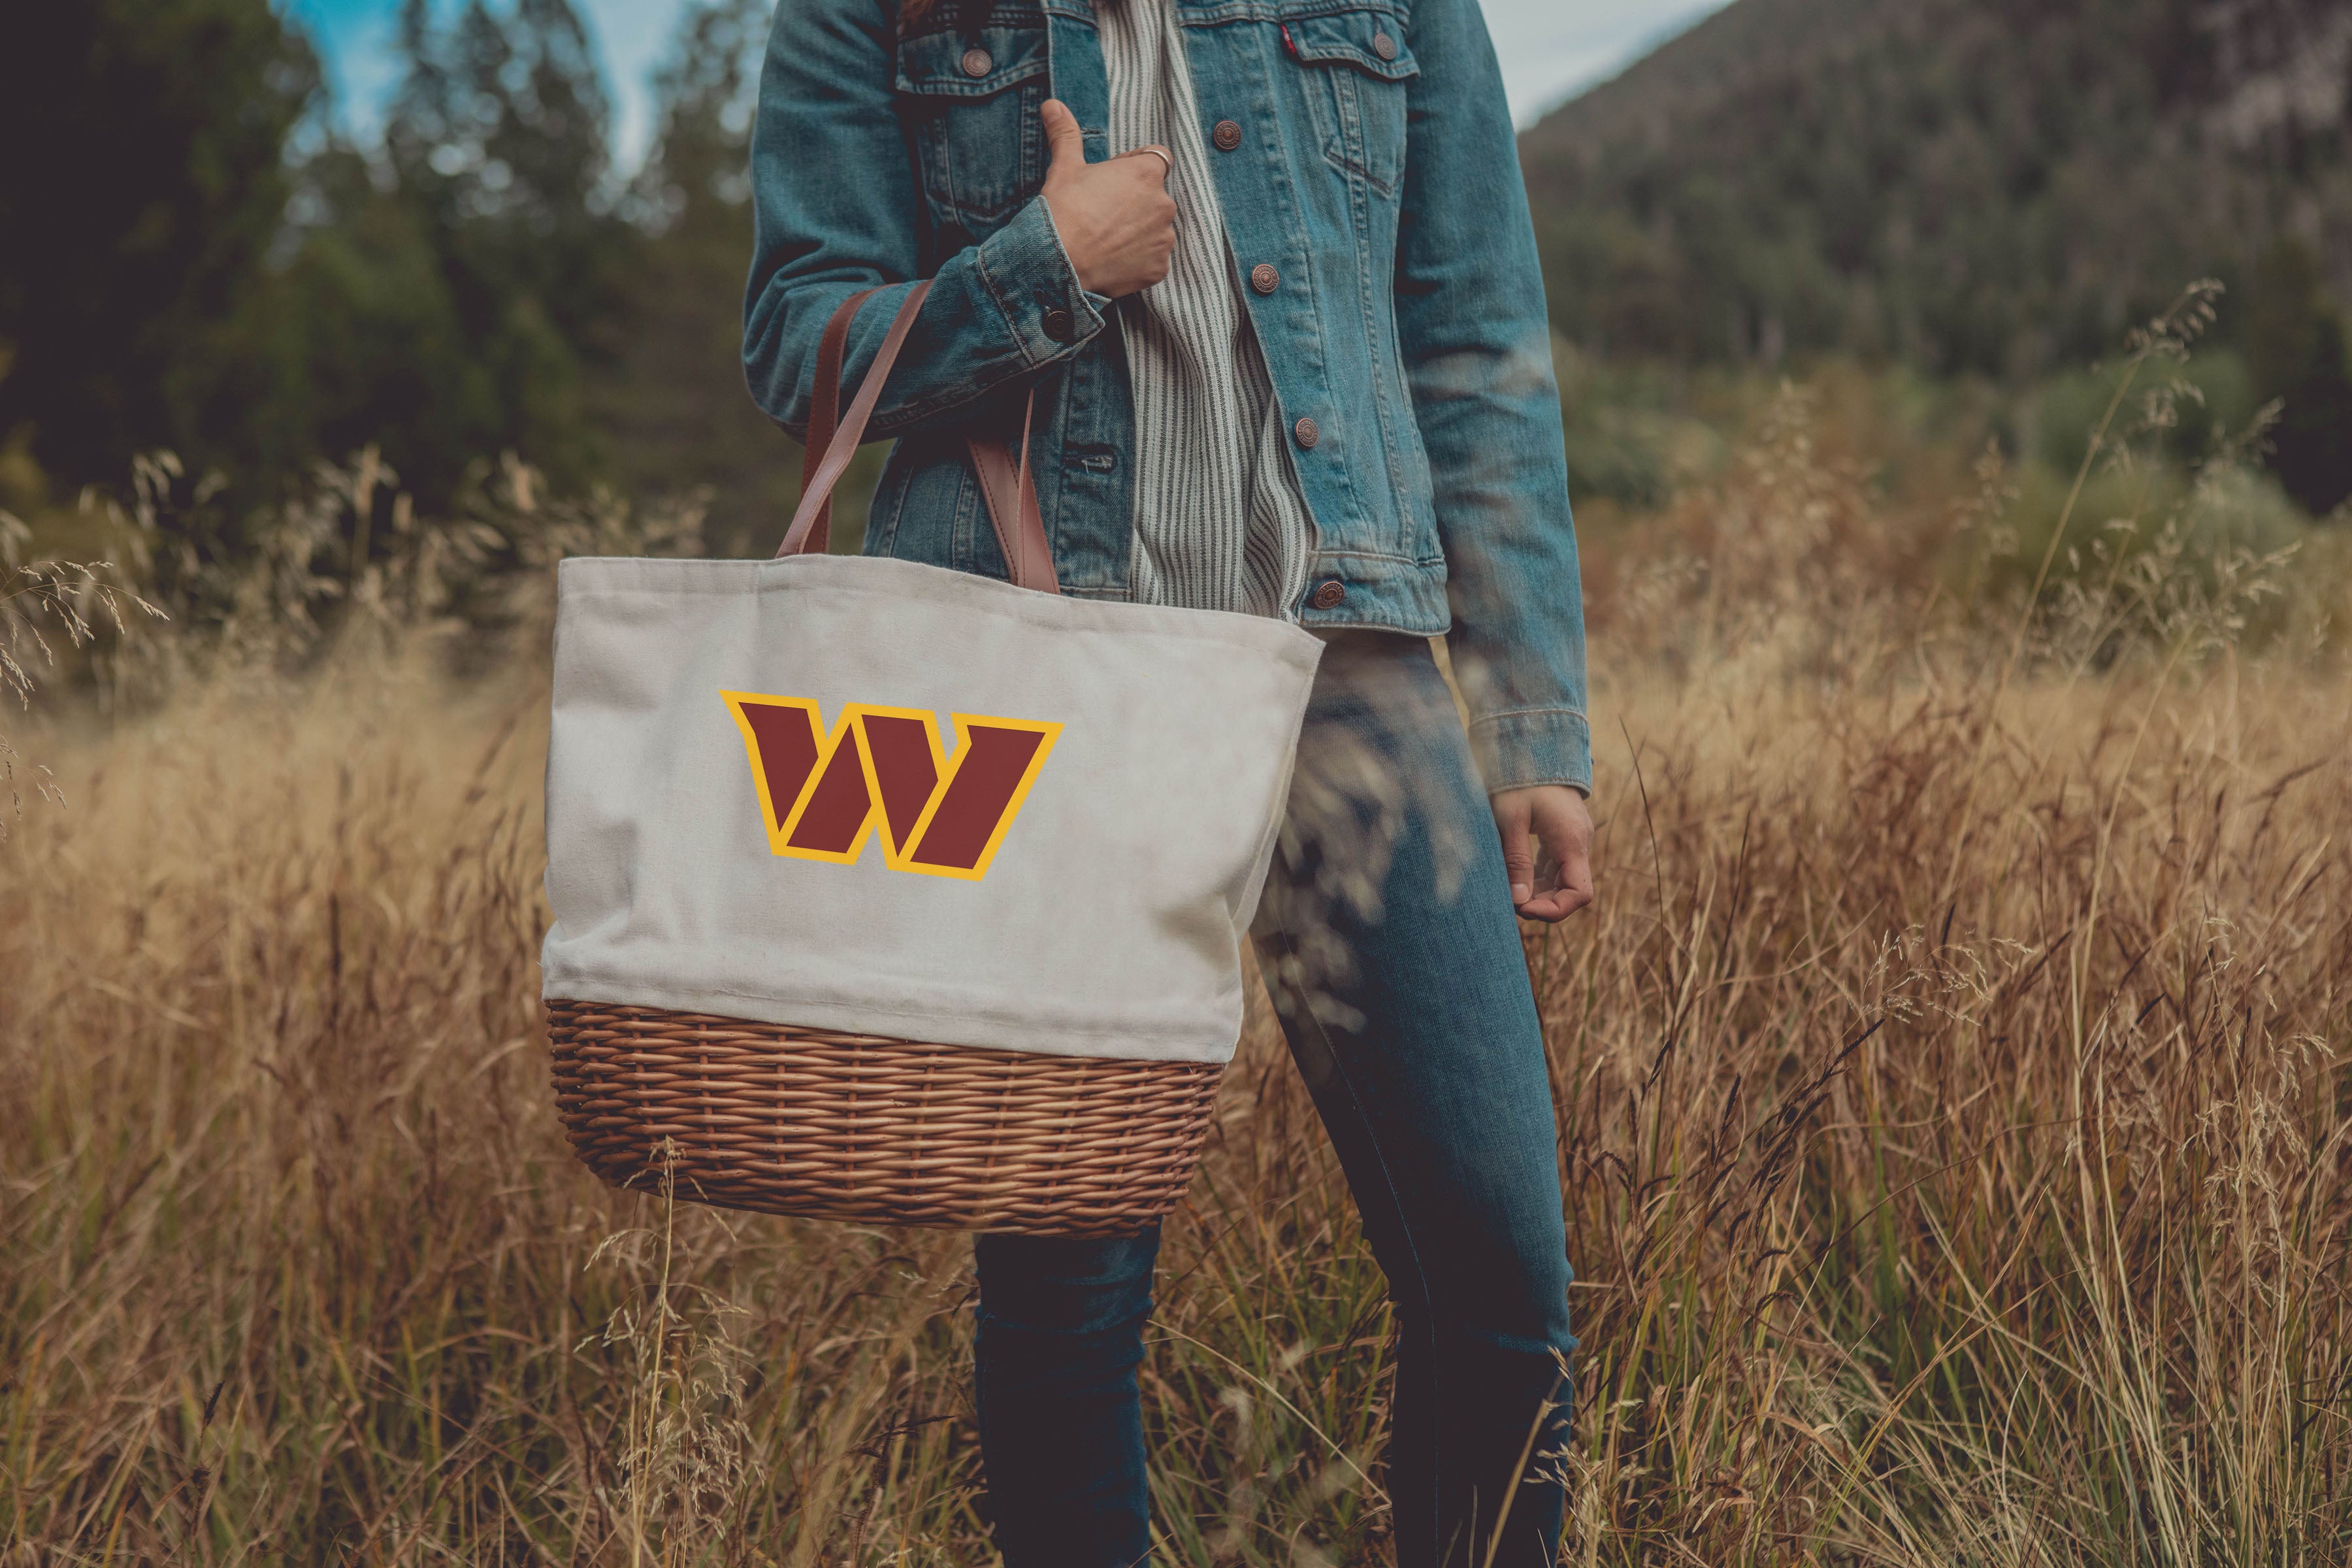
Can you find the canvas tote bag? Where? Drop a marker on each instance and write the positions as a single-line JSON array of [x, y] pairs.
[[892, 893]]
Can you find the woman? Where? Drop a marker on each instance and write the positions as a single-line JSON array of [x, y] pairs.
[[1268, 266]]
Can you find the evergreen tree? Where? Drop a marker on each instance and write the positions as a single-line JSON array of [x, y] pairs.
[[498, 143], [675, 400], [143, 185], [372, 347]]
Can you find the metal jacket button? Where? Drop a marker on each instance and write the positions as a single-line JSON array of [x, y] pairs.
[[1382, 46], [1059, 326], [1307, 432], [1227, 135], [1265, 278], [977, 62], [1331, 595]]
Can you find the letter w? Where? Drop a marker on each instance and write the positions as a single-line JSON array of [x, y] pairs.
[[884, 769]]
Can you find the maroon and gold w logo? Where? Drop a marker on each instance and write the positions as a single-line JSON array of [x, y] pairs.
[[884, 770]]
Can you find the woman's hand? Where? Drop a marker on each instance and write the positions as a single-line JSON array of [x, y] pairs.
[[1557, 817], [1117, 220]]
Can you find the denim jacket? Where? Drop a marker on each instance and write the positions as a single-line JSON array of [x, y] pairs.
[[1364, 160]]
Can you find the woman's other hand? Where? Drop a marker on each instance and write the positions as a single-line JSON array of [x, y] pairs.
[[1557, 817], [1117, 220]]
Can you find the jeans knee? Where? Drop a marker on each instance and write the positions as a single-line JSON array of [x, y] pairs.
[[1516, 1301]]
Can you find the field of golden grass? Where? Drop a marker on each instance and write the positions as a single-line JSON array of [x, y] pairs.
[[1956, 1125]]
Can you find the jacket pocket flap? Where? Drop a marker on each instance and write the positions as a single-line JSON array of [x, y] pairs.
[[957, 65], [1371, 41]]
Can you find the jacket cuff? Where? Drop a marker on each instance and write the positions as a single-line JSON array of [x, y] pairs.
[[1028, 274], [1533, 746]]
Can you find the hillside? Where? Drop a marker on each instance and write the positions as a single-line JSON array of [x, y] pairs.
[[1997, 186]]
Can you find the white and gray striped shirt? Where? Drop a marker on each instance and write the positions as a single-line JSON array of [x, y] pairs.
[[1219, 523]]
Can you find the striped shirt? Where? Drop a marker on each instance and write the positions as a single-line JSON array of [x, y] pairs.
[[1219, 523]]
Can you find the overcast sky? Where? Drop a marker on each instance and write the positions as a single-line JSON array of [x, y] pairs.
[[1548, 47]]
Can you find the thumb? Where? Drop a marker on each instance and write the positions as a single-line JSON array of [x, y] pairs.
[[1065, 143], [1518, 855]]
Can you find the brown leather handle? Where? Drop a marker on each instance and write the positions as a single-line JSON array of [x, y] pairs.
[[1010, 492], [1006, 484], [824, 410], [841, 445]]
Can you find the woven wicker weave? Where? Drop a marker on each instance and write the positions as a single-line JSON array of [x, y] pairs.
[[853, 1127]]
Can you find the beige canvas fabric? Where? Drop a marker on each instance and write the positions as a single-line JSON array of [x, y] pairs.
[[1142, 753]]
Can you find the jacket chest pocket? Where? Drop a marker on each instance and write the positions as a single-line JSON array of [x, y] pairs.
[[1355, 67], [970, 103]]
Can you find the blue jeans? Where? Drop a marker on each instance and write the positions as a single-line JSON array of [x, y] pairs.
[[1388, 940]]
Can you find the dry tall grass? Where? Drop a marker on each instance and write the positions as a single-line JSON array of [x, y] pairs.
[[1951, 1082]]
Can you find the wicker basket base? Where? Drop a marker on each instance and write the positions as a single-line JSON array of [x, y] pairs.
[[853, 1127]]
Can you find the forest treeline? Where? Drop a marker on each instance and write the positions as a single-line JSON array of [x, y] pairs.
[[195, 256], [1993, 188], [198, 260]]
